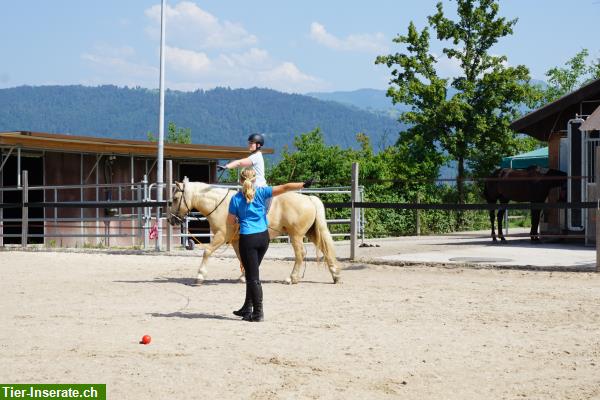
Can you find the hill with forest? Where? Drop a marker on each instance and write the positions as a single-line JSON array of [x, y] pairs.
[[220, 116]]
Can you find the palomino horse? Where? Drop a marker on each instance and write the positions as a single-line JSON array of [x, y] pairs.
[[525, 185], [291, 213]]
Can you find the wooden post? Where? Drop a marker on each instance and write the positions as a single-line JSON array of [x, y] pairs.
[[353, 213], [169, 198], [597, 181], [25, 210]]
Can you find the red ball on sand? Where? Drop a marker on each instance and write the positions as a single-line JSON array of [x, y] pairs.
[[146, 339]]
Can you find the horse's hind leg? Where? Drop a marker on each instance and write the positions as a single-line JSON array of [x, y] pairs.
[[236, 248], [501, 212], [298, 247], [535, 222]]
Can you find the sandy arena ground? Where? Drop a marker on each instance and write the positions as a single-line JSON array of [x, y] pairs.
[[385, 332]]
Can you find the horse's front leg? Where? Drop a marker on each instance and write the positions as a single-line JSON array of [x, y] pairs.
[[298, 247], [216, 242]]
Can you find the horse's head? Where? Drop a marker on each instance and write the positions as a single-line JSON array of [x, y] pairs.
[[180, 207]]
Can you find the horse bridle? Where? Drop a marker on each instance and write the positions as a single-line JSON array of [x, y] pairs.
[[176, 215], [182, 190]]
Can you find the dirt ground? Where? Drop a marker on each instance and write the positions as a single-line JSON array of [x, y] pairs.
[[385, 332]]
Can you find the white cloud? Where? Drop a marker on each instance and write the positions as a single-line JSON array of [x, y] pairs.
[[370, 43], [192, 27], [202, 52], [118, 65], [253, 68], [187, 61], [447, 67]]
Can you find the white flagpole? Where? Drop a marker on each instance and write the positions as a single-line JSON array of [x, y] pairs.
[[161, 119]]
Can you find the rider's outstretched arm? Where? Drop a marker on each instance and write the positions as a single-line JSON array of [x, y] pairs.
[[280, 189]]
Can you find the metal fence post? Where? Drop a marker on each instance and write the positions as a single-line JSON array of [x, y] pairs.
[[597, 181], [353, 216], [169, 199], [146, 211], [25, 210]]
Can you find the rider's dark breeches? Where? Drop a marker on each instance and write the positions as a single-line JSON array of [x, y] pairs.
[[252, 249]]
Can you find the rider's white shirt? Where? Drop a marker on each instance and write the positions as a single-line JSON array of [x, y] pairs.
[[259, 166]]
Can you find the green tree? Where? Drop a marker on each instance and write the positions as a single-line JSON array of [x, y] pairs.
[[174, 135], [468, 124], [572, 76]]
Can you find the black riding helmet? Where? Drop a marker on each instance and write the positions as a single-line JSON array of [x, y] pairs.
[[257, 138]]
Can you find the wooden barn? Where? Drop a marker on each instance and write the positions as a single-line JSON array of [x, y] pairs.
[[570, 126], [102, 170]]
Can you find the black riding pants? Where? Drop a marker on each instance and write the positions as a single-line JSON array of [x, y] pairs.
[[252, 249]]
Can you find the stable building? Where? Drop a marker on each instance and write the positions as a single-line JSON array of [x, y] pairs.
[[67, 168], [571, 126]]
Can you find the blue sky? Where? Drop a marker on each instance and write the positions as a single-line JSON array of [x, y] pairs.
[[301, 46]]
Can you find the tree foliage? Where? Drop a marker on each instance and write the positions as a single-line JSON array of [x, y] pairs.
[[174, 135], [563, 80], [463, 118]]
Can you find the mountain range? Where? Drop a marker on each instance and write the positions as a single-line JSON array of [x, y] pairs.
[[220, 116]]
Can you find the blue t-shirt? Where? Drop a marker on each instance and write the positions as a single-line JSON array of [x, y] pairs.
[[252, 216]]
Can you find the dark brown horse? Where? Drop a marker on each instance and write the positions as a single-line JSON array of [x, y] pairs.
[[522, 185]]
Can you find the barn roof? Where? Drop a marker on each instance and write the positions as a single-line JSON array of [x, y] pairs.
[[88, 144], [592, 123], [554, 116]]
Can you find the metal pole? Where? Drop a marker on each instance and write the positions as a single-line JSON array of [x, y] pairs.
[[161, 120], [25, 211], [597, 181], [169, 198], [353, 219], [19, 167], [146, 212]]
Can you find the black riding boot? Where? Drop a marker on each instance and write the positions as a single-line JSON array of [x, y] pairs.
[[246, 309], [256, 292]]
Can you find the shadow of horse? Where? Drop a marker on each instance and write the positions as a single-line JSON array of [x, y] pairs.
[[522, 185]]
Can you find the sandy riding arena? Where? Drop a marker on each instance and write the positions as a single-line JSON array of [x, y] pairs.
[[385, 332]]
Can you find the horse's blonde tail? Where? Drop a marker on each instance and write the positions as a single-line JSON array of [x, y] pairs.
[[322, 238]]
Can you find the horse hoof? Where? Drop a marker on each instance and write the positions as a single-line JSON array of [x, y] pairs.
[[288, 281], [503, 240], [337, 279]]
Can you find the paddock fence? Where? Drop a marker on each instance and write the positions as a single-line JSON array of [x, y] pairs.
[[130, 216]]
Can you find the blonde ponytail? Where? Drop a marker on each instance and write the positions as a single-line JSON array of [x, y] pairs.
[[248, 176]]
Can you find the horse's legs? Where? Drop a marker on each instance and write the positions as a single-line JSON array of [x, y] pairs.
[[501, 212], [216, 242], [327, 255], [535, 221], [492, 216], [298, 247]]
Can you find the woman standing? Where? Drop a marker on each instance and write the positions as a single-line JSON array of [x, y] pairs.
[[249, 208]]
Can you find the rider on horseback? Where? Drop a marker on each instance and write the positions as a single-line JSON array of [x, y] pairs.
[[255, 160]]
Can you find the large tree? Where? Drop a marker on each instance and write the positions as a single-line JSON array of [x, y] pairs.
[[463, 118]]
